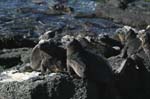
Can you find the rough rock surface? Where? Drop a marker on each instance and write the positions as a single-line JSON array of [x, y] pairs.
[[52, 86], [22, 25], [13, 57], [137, 10]]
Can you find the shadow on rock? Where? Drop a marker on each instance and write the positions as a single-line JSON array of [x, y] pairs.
[[131, 80]]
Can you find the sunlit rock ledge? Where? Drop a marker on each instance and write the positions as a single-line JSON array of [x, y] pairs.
[[13, 75], [26, 85]]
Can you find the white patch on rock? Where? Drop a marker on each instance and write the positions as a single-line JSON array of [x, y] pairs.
[[13, 75], [88, 38], [116, 47], [52, 74], [79, 36]]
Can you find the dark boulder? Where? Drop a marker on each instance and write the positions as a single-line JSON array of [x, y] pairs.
[[131, 77], [13, 57]]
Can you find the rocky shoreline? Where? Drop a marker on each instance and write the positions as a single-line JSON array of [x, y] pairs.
[[26, 26], [130, 81], [125, 12], [128, 16]]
